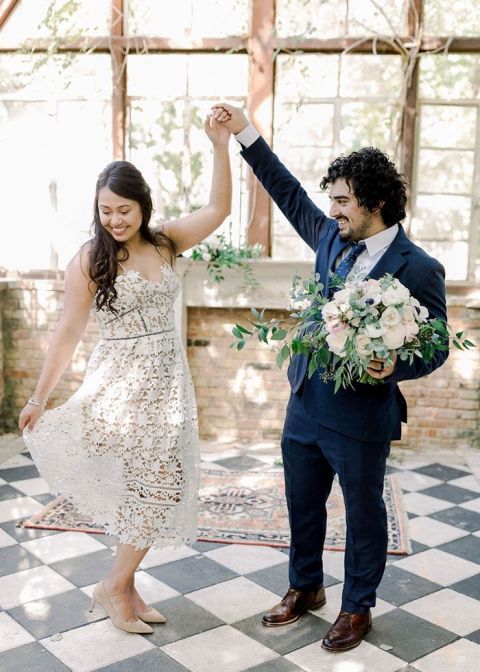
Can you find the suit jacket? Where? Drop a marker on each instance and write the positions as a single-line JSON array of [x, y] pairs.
[[369, 412]]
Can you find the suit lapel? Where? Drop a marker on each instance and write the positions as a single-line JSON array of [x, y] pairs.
[[337, 248], [394, 258]]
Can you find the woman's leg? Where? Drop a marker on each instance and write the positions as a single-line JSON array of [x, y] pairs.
[[119, 582]]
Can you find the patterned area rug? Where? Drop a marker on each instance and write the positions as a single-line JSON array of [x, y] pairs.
[[247, 507]]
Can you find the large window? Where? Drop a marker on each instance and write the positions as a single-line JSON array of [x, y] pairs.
[[134, 79]]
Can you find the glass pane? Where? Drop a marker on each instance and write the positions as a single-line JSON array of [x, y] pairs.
[[442, 17], [445, 171], [195, 18], [65, 76], [441, 217], [34, 19], [308, 124], [307, 76], [369, 124], [454, 256], [453, 77], [371, 17], [311, 18], [372, 75], [448, 126], [204, 76], [165, 132]]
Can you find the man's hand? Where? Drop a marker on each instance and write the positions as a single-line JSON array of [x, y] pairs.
[[378, 368], [232, 117]]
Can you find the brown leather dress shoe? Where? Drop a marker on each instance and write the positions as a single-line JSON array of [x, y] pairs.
[[294, 604], [348, 631]]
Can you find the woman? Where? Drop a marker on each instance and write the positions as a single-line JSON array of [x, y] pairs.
[[124, 447]]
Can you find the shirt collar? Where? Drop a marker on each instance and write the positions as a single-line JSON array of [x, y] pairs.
[[380, 240]]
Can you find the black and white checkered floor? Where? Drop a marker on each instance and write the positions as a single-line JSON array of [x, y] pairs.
[[427, 616]]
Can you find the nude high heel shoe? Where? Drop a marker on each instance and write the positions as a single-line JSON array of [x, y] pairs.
[[151, 616], [101, 596]]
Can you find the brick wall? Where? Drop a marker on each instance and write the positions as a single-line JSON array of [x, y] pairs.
[[241, 395]]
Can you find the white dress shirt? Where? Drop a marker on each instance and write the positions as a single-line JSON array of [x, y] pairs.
[[376, 245]]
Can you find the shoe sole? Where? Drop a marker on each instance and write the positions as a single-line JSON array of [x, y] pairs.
[[346, 648], [294, 620]]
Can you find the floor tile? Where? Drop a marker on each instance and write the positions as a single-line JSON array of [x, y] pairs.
[[95, 645], [45, 499], [470, 587], [9, 492], [16, 559], [409, 636], [241, 463], [416, 547], [234, 600], [224, 649], [191, 573], [313, 658], [12, 634], [469, 482], [63, 546], [306, 630], [54, 614], [275, 665], [460, 517], [151, 661], [32, 584], [2, 481], [423, 505], [474, 637], [152, 590], [433, 532], [31, 486], [15, 530], [16, 509], [30, 658], [467, 548], [472, 505], [6, 539], [438, 566], [162, 556], [273, 578], [184, 619], [243, 558], [461, 656], [412, 482], [18, 473], [442, 471], [399, 586], [86, 569], [450, 493], [204, 546], [334, 564], [19, 460], [449, 610]]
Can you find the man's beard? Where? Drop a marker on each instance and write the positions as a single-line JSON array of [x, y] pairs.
[[360, 233]]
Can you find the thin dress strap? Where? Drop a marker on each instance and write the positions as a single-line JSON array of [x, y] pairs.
[[122, 266]]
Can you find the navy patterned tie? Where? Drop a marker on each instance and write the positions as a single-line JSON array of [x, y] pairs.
[[346, 265]]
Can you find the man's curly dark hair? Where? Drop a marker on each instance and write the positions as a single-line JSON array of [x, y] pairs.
[[373, 178]]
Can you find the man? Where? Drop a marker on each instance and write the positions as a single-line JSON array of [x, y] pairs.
[[347, 433]]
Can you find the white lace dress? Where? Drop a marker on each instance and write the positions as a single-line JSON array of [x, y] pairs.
[[124, 448]]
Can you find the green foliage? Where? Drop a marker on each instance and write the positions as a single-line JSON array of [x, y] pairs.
[[221, 254]]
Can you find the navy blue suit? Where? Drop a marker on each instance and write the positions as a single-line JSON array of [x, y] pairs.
[[347, 433]]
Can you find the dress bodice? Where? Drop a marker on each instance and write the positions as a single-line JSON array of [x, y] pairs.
[[143, 307]]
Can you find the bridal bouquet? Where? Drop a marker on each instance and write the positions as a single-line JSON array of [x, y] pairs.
[[363, 320]]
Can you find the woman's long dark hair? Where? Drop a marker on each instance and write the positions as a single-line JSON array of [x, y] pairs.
[[125, 180]]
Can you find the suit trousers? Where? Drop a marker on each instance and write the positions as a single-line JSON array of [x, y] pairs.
[[312, 455]]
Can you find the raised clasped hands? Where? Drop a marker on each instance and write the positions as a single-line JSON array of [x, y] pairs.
[[218, 134], [378, 367], [232, 118]]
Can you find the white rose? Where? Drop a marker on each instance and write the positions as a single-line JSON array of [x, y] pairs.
[[206, 256], [408, 314], [336, 341], [342, 296], [423, 313], [390, 317], [374, 330], [395, 294], [411, 330], [363, 344], [330, 311], [394, 337]]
